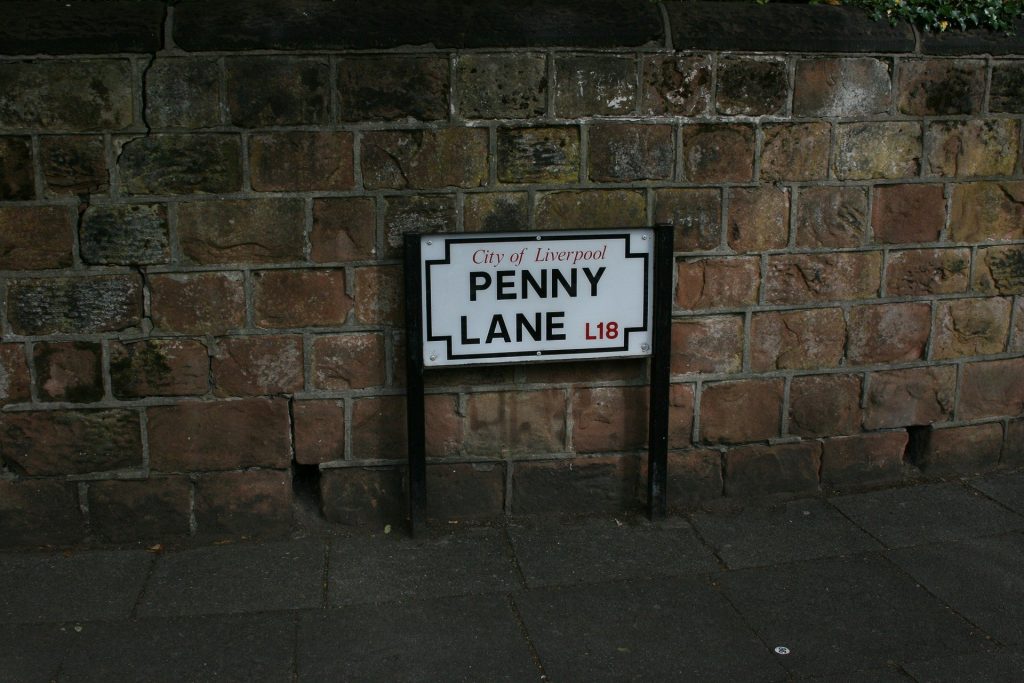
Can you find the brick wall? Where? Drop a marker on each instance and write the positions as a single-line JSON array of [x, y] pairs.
[[201, 213]]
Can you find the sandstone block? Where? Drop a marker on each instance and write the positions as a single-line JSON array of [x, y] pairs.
[[806, 278], [500, 86], [594, 85], [124, 234], [902, 398], [972, 148], [991, 389], [66, 95], [959, 451], [710, 283], [609, 419], [390, 87], [694, 476], [379, 428], [257, 366], [863, 460], [348, 361], [578, 486], [363, 496], [207, 163], [1013, 444], [1007, 90], [591, 209], [149, 509], [300, 298], [73, 165], [450, 157], [473, 492], [158, 367], [795, 151], [35, 237], [17, 180], [319, 431], [183, 93], [68, 371], [824, 405], [380, 295], [696, 215], [927, 271], [539, 155], [250, 503], [277, 91], [752, 86], [507, 422], [680, 415], [492, 211], [877, 150], [831, 217], [930, 87], [971, 327], [718, 153], [15, 384], [37, 511], [888, 333], [741, 410], [421, 213], [74, 305], [242, 231], [908, 213], [61, 442], [676, 85], [813, 338], [987, 212], [758, 218], [296, 161], [999, 270], [712, 344], [344, 229], [624, 152], [855, 86], [790, 468], [197, 303]]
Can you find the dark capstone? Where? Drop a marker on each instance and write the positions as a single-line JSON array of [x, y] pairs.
[[73, 164], [393, 87], [74, 305], [271, 91], [313, 24], [125, 234], [752, 87], [64, 28], [53, 95], [16, 180], [1007, 94], [183, 93], [977, 41], [181, 164], [782, 27]]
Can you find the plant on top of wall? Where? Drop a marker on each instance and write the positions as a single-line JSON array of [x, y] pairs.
[[940, 15]]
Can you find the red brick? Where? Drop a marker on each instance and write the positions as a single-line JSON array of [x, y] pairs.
[[300, 298], [1013, 445], [319, 428], [863, 460], [831, 217], [348, 361], [929, 87], [790, 468], [676, 85], [694, 476], [696, 214], [591, 209], [257, 366], [795, 151], [758, 218], [680, 415], [742, 410], [158, 367], [68, 371], [992, 388], [825, 405], [70, 442], [713, 282], [609, 419], [344, 229], [808, 278], [903, 398], [718, 153], [14, 376], [471, 492], [972, 148], [888, 333], [38, 512], [197, 303], [713, 344], [972, 449], [421, 159], [971, 327], [986, 212], [927, 271], [797, 339], [219, 435], [380, 295], [301, 160], [363, 496], [35, 237], [242, 230], [999, 270], [506, 422], [251, 503], [146, 510], [576, 486], [908, 213], [379, 428], [621, 152]]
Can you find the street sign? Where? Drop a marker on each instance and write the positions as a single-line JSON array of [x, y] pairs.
[[559, 295]]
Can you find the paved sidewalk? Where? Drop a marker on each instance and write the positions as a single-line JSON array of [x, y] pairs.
[[923, 583]]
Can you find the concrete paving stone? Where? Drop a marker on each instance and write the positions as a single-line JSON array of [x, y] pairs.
[[601, 550], [394, 567], [68, 587], [1008, 489], [472, 638], [838, 615], [250, 647], [998, 666], [33, 652], [981, 579], [239, 578], [798, 530], [916, 515], [667, 629]]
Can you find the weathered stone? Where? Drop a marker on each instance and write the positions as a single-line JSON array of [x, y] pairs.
[[622, 370], [971, 327], [713, 344], [888, 333], [472, 492], [500, 86], [319, 431], [752, 86], [79, 305], [992, 389], [1017, 335], [257, 366], [539, 155], [718, 153], [972, 148], [150, 509], [594, 85], [578, 486], [450, 157], [624, 152], [959, 451], [758, 218], [158, 367], [380, 295], [379, 428], [35, 237], [363, 496], [903, 398], [68, 371], [422, 213], [795, 151], [393, 86], [250, 503], [677, 86], [927, 271], [696, 215], [301, 160], [877, 150], [933, 87], [114, 26], [908, 213], [501, 423], [591, 209], [17, 180], [37, 511], [1006, 93], [242, 230], [14, 376], [831, 217], [491, 211], [277, 91], [863, 460], [300, 298], [790, 468], [710, 283], [806, 339], [1013, 444], [197, 303], [986, 212], [805, 278], [348, 361], [694, 477], [66, 96], [73, 164], [742, 410], [124, 234], [219, 435], [181, 164], [64, 442], [824, 405], [344, 229], [680, 415], [183, 93], [609, 419], [859, 86], [999, 270]]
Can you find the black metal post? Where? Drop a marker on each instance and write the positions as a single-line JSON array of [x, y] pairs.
[[415, 420], [661, 324]]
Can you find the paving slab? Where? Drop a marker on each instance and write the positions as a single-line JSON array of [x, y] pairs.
[[838, 615], [887, 675], [387, 568], [999, 666], [69, 587], [1008, 489], [917, 515], [236, 578], [667, 629], [33, 652], [602, 550], [472, 638], [982, 579], [250, 647], [798, 530]]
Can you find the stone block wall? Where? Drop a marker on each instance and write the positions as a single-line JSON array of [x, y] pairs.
[[201, 216]]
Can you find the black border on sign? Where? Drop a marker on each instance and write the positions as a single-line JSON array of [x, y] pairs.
[[533, 237]]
